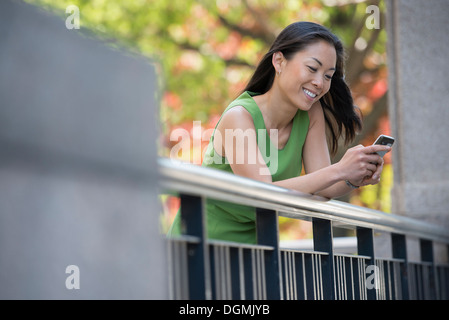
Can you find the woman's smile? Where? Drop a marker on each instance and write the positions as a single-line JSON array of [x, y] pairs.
[[309, 94]]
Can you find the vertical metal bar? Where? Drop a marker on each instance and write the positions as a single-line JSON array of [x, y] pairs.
[[254, 275], [316, 277], [356, 276], [337, 278], [334, 273], [214, 271], [320, 276], [259, 274], [222, 272], [309, 276], [172, 282], [322, 241], [389, 281], [419, 282], [304, 280], [399, 249], [249, 273], [290, 275], [228, 273], [378, 280], [192, 221], [363, 279], [286, 276], [221, 284], [412, 281], [445, 282], [294, 289], [344, 278], [426, 247], [314, 287], [242, 274], [235, 274], [351, 278], [381, 280], [437, 284], [365, 246], [225, 272], [183, 270], [268, 234], [397, 281], [264, 276]]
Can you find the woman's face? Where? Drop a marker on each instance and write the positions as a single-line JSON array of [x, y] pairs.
[[307, 76]]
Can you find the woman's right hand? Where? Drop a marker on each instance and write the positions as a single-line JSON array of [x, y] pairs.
[[360, 163]]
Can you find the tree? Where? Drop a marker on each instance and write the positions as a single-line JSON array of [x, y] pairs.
[[207, 50]]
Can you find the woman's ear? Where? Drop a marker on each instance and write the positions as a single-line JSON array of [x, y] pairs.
[[277, 61]]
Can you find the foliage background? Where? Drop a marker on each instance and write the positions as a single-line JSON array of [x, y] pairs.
[[206, 51]]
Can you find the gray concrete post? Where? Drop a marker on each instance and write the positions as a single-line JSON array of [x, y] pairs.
[[79, 214], [418, 52]]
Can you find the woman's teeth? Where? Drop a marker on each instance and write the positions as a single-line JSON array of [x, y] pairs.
[[310, 94]]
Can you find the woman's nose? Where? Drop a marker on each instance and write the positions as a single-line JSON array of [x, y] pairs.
[[318, 82]]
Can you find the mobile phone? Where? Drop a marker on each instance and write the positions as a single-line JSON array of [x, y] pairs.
[[384, 141]]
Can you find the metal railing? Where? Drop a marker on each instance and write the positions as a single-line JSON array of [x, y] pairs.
[[201, 268]]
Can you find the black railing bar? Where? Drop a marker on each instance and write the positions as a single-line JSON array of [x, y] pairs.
[[184, 177], [239, 245]]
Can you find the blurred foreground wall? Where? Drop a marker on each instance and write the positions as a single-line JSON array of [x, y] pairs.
[[79, 214]]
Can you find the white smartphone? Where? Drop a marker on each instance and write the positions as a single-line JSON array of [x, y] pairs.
[[384, 141]]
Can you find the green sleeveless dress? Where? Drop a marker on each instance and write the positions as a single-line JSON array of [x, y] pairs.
[[233, 222]]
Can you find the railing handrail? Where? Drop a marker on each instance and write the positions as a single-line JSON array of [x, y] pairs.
[[195, 180]]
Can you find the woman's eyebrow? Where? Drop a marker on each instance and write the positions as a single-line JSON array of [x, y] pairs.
[[319, 62]]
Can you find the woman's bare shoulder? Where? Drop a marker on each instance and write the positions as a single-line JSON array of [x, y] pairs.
[[236, 117]]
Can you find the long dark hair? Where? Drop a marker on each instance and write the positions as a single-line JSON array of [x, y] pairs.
[[340, 114]]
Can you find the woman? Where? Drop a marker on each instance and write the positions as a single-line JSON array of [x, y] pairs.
[[298, 98]]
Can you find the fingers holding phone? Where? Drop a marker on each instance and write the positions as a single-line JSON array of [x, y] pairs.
[[379, 148], [366, 163]]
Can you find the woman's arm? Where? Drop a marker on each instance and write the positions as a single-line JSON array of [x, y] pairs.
[[240, 147], [359, 165]]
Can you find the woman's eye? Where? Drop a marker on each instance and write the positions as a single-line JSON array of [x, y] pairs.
[[312, 69], [328, 77]]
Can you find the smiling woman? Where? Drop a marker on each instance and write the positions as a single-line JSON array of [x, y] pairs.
[[296, 95]]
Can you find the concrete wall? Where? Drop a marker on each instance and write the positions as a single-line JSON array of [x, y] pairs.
[[418, 37], [78, 176]]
